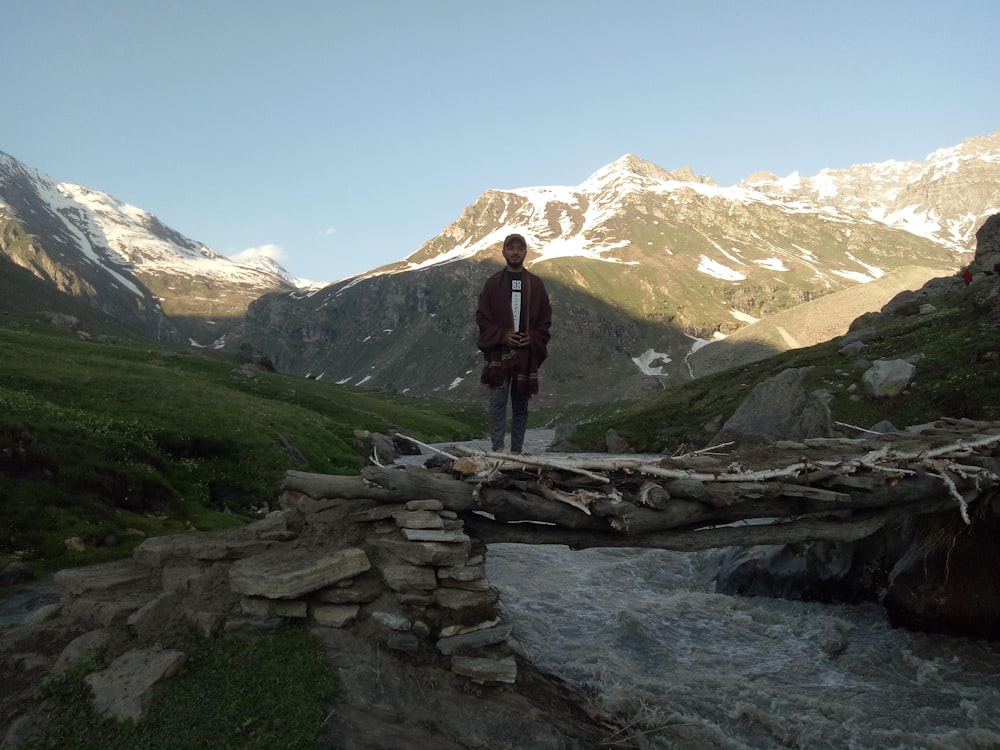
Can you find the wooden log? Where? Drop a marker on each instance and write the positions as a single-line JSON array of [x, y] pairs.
[[851, 529], [651, 495], [580, 499], [519, 507], [384, 484], [323, 486], [639, 504], [721, 494], [489, 458], [812, 493], [687, 489], [851, 481]]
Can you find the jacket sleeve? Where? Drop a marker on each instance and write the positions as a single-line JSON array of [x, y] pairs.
[[493, 324], [540, 321]]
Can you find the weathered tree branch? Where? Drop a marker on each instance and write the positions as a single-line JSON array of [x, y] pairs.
[[791, 532], [620, 501]]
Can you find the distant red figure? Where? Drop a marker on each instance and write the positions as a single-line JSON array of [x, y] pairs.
[[967, 276]]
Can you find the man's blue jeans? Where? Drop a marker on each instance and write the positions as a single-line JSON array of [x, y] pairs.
[[498, 417]]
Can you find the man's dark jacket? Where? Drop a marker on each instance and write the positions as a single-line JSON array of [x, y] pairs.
[[495, 320]]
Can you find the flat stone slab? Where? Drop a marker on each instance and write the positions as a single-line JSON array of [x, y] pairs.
[[112, 576], [291, 573], [428, 553], [125, 689], [335, 615], [418, 519], [475, 639], [434, 535], [218, 545], [480, 669]]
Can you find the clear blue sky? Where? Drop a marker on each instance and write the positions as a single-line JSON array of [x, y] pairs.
[[345, 134]]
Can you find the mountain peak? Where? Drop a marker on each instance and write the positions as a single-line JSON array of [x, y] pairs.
[[632, 164], [636, 170]]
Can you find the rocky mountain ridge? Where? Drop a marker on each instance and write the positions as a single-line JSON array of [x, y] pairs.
[[944, 198], [644, 265], [124, 260]]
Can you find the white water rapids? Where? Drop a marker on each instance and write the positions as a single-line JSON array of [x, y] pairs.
[[646, 633], [644, 630]]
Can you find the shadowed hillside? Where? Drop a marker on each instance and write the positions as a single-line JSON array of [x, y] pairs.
[[807, 324]]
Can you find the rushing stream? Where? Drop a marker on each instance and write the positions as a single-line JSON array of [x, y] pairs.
[[689, 668], [644, 630]]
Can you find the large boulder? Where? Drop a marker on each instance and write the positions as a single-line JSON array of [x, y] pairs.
[[887, 378], [947, 581], [988, 245], [816, 571], [780, 408]]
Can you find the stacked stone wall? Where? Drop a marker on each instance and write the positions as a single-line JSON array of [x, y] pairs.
[[400, 574], [404, 574]]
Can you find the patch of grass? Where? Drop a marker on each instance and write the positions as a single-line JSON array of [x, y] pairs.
[[103, 441], [230, 694], [958, 375]]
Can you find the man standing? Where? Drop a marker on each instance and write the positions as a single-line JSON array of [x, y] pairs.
[[514, 317]]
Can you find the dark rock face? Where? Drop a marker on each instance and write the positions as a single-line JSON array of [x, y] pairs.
[[814, 572], [817, 571], [988, 244], [934, 575], [985, 295], [780, 409], [947, 581]]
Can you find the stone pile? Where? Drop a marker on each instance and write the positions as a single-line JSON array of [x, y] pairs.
[[402, 574], [405, 574]]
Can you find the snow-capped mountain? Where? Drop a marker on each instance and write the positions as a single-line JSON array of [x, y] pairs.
[[123, 259], [644, 266], [944, 198]]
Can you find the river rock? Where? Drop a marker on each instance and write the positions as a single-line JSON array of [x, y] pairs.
[[815, 571], [15, 573], [379, 446], [484, 669], [361, 589], [418, 519], [207, 546]]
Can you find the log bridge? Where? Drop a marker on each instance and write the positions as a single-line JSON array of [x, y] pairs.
[[835, 489]]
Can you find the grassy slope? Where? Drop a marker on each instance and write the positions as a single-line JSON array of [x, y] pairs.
[[230, 695], [101, 441], [957, 376]]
